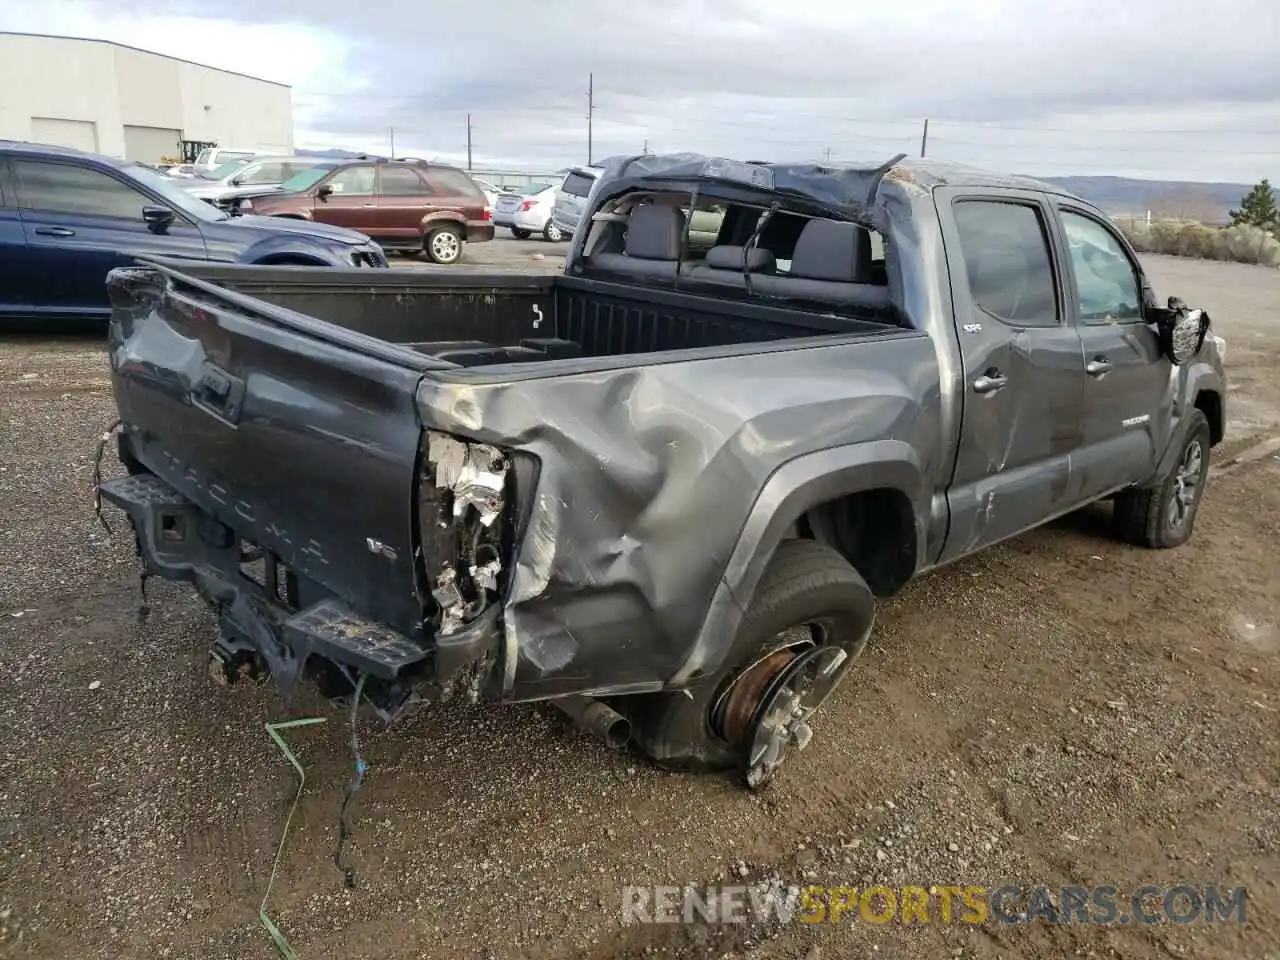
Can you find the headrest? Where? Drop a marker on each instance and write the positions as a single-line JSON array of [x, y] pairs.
[[833, 250], [653, 232]]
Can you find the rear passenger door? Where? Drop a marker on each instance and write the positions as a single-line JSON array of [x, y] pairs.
[[16, 284], [1125, 419], [1021, 367], [404, 198]]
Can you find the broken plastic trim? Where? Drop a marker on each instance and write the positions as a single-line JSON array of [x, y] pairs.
[[470, 480]]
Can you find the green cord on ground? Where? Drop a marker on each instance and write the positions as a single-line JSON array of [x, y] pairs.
[[274, 729]]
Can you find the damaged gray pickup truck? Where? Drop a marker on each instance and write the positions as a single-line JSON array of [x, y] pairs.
[[664, 488]]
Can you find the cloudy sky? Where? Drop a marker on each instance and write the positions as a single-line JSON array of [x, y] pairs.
[[1162, 89]]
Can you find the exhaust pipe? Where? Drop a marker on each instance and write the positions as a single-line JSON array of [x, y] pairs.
[[597, 718]]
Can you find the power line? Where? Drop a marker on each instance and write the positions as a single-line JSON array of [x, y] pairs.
[[790, 112]]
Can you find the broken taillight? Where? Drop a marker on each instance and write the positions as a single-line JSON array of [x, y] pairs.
[[461, 502]]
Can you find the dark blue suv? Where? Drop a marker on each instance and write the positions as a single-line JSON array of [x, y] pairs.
[[67, 218]]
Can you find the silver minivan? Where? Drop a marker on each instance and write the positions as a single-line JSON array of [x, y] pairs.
[[571, 198]]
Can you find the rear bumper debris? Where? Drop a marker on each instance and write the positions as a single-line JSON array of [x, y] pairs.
[[265, 627]]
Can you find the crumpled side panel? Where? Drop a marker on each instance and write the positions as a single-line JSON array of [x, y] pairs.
[[647, 476]]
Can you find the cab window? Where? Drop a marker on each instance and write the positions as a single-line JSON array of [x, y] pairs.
[[1107, 286], [353, 182], [1005, 248]]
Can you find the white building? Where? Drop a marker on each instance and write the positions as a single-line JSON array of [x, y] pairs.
[[108, 98]]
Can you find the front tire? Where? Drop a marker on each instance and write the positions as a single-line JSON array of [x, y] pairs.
[[805, 584], [552, 233], [1164, 516], [443, 245]]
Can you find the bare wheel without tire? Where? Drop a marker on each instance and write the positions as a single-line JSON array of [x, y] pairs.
[[809, 618], [1164, 515], [443, 245]]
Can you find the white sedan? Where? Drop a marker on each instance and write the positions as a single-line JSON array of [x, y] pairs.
[[528, 212]]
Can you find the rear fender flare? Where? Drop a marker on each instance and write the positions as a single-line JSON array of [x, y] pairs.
[[444, 218], [792, 489]]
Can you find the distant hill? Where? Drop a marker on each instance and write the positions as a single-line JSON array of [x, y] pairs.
[[336, 154], [1208, 202]]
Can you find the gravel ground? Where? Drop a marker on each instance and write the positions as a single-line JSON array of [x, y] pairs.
[[1058, 710]]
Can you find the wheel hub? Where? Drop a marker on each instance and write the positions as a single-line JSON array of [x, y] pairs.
[[780, 720], [733, 714]]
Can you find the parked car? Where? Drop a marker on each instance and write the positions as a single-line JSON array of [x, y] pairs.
[[210, 158], [571, 198], [662, 494], [67, 218], [403, 205], [528, 211], [180, 171], [256, 177]]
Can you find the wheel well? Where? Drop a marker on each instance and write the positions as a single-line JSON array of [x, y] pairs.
[[289, 260], [874, 530], [437, 224], [1209, 402]]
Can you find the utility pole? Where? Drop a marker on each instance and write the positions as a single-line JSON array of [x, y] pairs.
[[392, 131], [826, 153], [646, 146], [591, 109], [924, 137], [468, 141]]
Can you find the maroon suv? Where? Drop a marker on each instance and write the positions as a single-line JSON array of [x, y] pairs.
[[407, 205]]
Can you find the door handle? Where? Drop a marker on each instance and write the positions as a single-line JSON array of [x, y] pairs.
[[55, 231], [369, 204], [219, 393], [990, 382], [1098, 367]]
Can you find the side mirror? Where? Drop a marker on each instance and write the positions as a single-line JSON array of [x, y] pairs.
[[157, 217], [1182, 330], [236, 181], [324, 191]]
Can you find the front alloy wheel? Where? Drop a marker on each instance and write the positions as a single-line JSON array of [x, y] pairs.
[[1186, 485], [1163, 515]]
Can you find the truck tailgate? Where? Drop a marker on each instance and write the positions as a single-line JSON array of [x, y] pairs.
[[303, 443]]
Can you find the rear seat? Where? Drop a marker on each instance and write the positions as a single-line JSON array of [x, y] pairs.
[[723, 265], [653, 243], [831, 265]]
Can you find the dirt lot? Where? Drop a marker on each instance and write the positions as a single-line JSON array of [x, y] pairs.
[[1058, 710]]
